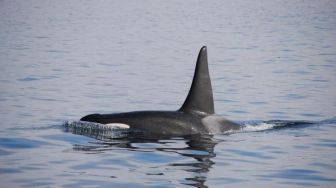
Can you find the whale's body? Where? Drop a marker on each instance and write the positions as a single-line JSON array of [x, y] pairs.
[[167, 122], [196, 116]]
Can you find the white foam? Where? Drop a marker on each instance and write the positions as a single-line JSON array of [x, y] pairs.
[[252, 128], [258, 127]]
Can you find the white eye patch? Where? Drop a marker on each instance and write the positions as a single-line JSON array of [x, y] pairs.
[[118, 125]]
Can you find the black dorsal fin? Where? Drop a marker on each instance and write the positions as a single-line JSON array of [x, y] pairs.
[[200, 97]]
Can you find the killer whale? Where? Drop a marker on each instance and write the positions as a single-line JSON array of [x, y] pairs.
[[196, 116]]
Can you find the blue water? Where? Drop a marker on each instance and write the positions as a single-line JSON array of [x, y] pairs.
[[269, 60]]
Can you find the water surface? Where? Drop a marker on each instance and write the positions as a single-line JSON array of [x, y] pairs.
[[61, 60]]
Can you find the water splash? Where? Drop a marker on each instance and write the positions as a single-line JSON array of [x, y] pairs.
[[97, 130], [259, 127], [252, 127]]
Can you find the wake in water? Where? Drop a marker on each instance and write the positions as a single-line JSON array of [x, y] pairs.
[[116, 131], [272, 124], [254, 126]]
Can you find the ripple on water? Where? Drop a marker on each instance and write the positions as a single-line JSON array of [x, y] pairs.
[[20, 143], [249, 154], [327, 143], [9, 170], [28, 79], [73, 139], [157, 157], [293, 96], [5, 152], [300, 174]]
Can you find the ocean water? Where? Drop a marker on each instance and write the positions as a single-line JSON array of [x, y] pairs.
[[268, 60]]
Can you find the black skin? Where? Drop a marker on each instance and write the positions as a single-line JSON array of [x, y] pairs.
[[157, 122], [166, 122]]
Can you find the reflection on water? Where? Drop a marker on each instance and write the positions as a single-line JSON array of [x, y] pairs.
[[197, 151]]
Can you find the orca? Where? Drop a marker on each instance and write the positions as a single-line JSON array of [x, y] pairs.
[[196, 116]]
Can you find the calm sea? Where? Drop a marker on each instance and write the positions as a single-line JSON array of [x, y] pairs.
[[269, 60]]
